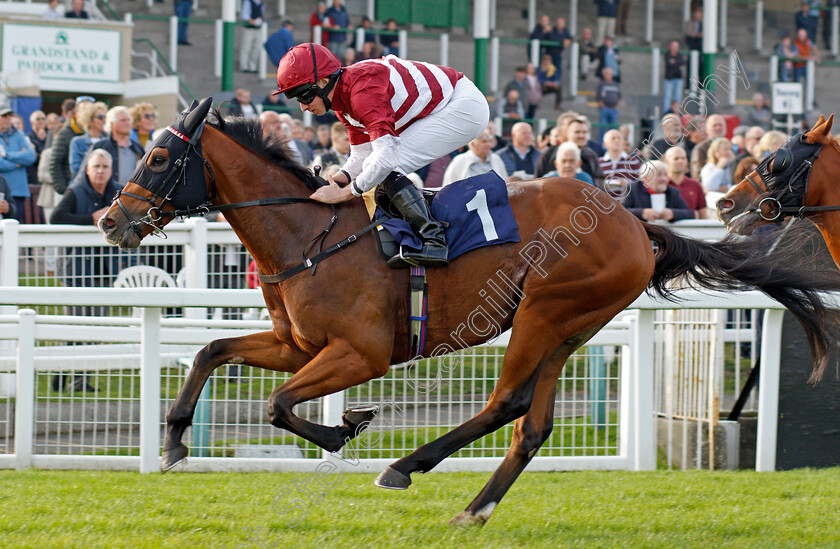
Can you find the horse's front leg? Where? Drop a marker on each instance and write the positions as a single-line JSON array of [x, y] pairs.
[[338, 366], [262, 349]]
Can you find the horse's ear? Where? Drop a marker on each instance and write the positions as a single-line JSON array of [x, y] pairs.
[[818, 129], [818, 126], [828, 123], [197, 115]]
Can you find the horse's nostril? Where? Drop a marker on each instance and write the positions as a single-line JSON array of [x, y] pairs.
[[725, 205]]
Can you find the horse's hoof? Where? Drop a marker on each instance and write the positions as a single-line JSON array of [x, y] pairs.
[[393, 479], [354, 417], [466, 519], [173, 457]]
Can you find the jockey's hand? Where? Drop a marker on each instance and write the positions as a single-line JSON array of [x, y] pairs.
[[332, 193]]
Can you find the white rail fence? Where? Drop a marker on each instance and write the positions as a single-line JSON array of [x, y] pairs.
[[89, 341], [605, 416]]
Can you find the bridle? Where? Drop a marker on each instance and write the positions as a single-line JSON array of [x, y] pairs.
[[792, 198], [178, 175]]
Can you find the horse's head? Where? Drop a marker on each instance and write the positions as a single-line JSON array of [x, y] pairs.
[[779, 184], [170, 177]]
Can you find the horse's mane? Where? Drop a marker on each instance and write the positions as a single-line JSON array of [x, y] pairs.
[[826, 139], [248, 132]]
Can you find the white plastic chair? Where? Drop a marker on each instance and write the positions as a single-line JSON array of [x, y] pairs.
[[143, 276]]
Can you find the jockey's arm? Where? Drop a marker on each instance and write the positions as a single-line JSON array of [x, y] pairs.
[[368, 164], [383, 158]]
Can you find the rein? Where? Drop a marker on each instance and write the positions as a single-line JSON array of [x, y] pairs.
[[155, 214]]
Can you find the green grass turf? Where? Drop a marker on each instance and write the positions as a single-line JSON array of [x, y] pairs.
[[580, 509]]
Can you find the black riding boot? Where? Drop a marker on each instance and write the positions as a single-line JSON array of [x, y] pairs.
[[409, 201]]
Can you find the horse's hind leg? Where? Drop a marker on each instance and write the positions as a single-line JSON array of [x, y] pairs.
[[525, 357], [529, 433], [262, 349]]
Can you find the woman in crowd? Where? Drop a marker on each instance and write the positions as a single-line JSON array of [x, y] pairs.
[[338, 153], [91, 118], [534, 93], [38, 138], [714, 175], [143, 122], [769, 143]]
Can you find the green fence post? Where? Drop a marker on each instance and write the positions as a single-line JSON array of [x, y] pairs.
[[598, 387], [201, 422], [228, 30], [710, 42], [481, 32]]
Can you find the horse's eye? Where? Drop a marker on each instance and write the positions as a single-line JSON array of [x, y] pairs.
[[157, 162]]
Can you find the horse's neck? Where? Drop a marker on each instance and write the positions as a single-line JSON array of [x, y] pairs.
[[827, 194], [276, 235]]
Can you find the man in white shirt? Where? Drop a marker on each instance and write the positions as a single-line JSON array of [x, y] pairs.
[[53, 11], [479, 159]]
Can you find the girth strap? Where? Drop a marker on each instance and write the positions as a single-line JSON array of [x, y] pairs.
[[418, 290]]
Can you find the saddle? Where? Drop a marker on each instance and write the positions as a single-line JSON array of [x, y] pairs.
[[475, 212]]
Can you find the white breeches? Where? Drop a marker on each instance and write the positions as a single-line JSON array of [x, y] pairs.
[[456, 124]]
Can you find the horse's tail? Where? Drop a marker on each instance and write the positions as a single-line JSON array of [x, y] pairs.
[[790, 277]]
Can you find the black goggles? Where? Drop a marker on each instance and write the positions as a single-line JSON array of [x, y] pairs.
[[305, 93]]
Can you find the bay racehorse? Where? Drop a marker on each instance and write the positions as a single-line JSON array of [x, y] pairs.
[[581, 260], [800, 179]]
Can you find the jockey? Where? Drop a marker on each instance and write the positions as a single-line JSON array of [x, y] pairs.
[[400, 115]]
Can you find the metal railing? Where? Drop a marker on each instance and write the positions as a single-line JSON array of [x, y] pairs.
[[158, 65]]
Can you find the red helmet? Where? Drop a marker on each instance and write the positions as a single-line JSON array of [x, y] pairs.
[[305, 64]]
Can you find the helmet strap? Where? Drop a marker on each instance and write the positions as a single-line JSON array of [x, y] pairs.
[[324, 92]]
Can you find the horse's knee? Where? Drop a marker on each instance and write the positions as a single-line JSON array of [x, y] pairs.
[[512, 405], [279, 408], [178, 417], [529, 438], [548, 427], [211, 356]]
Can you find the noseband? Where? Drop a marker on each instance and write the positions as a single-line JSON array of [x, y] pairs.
[[155, 214], [794, 168]]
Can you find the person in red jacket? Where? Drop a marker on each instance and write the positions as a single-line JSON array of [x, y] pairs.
[[400, 115], [319, 19]]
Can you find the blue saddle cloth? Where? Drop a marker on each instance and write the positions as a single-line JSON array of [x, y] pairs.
[[478, 213]]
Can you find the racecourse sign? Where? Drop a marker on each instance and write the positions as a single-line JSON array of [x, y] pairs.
[[62, 52]]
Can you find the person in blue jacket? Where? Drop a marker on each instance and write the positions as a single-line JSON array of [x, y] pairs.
[[15, 156], [280, 42]]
